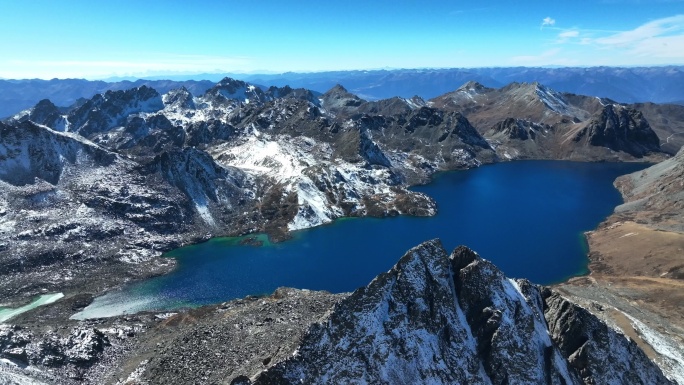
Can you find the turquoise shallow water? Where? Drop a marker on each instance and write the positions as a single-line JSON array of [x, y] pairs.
[[528, 217], [7, 313]]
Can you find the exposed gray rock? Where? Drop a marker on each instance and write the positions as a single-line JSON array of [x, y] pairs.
[[112, 109], [593, 349], [532, 121], [621, 129], [445, 319]]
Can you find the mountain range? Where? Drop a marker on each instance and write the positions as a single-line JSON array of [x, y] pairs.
[[625, 85], [135, 172], [92, 194]]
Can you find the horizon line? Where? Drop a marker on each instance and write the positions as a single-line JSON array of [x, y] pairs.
[[192, 75]]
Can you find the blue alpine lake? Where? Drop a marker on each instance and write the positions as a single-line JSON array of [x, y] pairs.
[[528, 217]]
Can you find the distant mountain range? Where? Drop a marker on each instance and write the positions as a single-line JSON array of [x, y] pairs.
[[625, 85]]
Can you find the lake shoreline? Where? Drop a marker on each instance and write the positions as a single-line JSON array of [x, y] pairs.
[[163, 265], [446, 215]]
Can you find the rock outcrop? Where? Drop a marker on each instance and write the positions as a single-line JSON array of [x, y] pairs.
[[620, 129], [443, 319]]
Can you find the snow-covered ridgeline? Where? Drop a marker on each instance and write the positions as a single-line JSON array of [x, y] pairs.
[[436, 318], [305, 167], [671, 356]]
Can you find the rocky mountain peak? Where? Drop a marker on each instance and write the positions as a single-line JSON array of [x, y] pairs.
[[146, 97], [621, 129], [239, 90], [179, 98], [338, 99], [390, 107], [292, 93], [473, 86], [417, 101], [230, 84], [442, 319], [111, 109], [45, 105], [44, 112], [337, 89]]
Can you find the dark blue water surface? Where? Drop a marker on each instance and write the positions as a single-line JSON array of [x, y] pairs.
[[528, 217]]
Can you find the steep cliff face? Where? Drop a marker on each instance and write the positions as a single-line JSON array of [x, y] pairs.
[[29, 152], [596, 352], [443, 319], [112, 109]]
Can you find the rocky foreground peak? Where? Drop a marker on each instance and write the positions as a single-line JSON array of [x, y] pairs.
[[444, 319]]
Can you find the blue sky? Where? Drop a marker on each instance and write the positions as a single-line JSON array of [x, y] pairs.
[[98, 39]]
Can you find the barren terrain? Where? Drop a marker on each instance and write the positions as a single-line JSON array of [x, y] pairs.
[[637, 260]]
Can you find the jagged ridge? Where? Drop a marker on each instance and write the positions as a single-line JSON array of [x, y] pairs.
[[440, 319]]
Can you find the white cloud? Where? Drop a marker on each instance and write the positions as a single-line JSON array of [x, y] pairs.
[[662, 38], [547, 22], [568, 34], [657, 42], [650, 30]]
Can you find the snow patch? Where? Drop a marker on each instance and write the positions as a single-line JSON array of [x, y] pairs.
[[671, 359], [552, 99], [261, 156], [314, 208]]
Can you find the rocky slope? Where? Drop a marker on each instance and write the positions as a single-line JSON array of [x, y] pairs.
[[433, 318], [637, 261], [67, 204], [655, 196], [444, 319], [524, 121]]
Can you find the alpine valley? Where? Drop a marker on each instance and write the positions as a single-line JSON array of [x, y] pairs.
[[92, 194]]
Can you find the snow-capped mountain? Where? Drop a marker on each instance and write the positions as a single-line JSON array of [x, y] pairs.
[[169, 169], [68, 204]]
